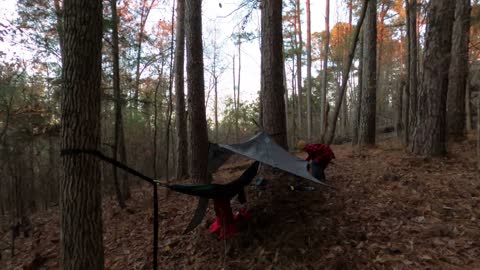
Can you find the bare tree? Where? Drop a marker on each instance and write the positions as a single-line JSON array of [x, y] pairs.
[[81, 199]]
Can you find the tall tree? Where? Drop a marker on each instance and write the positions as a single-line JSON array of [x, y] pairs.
[[299, 66], [170, 99], [412, 71], [366, 132], [429, 137], [118, 103], [196, 92], [180, 114], [80, 199], [309, 73], [323, 97], [272, 92], [358, 105], [457, 82]]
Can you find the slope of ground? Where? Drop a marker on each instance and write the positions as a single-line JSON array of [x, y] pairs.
[[389, 210]]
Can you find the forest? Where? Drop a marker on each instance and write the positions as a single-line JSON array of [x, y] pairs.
[[99, 97]]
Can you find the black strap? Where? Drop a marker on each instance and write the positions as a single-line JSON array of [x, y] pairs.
[[112, 161], [124, 167]]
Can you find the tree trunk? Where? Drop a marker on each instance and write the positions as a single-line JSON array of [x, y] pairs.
[[235, 108], [59, 26], [309, 73], [412, 71], [170, 101], [118, 104], [429, 137], [367, 128], [155, 119], [468, 108], [196, 92], [180, 114], [299, 68], [323, 95], [81, 199], [351, 55], [399, 109], [457, 81], [216, 108], [478, 137], [358, 108], [272, 72], [238, 84]]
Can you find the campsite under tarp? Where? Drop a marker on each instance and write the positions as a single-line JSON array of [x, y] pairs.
[[260, 148]]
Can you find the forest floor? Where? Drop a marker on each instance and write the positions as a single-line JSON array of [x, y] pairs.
[[390, 210]]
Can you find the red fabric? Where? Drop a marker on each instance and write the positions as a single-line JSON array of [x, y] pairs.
[[223, 211], [319, 153]]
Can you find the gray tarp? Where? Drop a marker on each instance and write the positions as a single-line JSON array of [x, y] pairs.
[[261, 148]]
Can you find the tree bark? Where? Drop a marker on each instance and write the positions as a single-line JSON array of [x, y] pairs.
[[196, 92], [59, 26], [356, 122], [180, 114], [468, 108], [429, 137], [351, 55], [235, 108], [412, 70], [170, 101], [309, 73], [299, 68], [118, 103], [272, 72], [81, 199], [323, 95], [367, 128], [457, 81]]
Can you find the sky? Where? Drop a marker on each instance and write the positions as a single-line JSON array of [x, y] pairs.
[[226, 22]]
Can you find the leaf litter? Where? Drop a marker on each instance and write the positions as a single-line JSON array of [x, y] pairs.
[[389, 210]]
